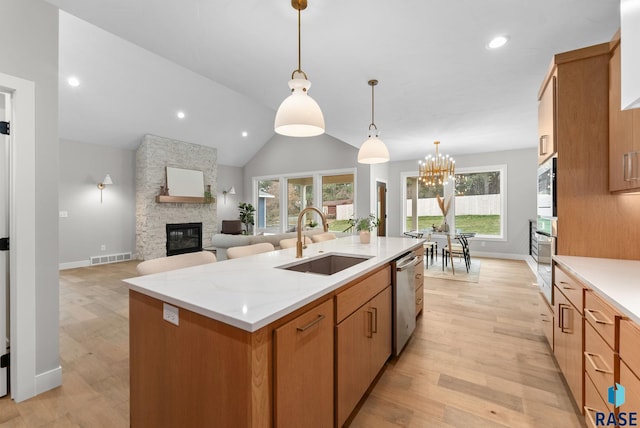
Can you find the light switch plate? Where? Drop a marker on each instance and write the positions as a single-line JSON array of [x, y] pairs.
[[171, 314]]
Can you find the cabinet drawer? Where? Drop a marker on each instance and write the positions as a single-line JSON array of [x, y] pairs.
[[569, 286], [419, 251], [631, 385], [630, 345], [352, 298], [593, 402], [599, 359], [546, 318], [601, 316], [419, 299], [419, 275]]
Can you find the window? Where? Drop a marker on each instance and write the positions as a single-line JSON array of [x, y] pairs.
[[479, 205], [480, 201], [268, 206], [422, 211], [337, 200], [299, 196], [279, 201]]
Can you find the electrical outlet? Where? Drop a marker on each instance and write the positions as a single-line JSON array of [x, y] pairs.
[[170, 313], [64, 214], [103, 247]]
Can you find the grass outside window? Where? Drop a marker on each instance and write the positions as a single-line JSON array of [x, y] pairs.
[[481, 224]]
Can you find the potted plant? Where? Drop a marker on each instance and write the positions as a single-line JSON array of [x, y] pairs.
[[246, 215], [365, 225]]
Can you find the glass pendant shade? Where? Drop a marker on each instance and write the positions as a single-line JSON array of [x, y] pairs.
[[373, 150], [299, 115]]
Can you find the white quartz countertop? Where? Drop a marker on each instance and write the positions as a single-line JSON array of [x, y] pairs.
[[250, 292], [618, 281]]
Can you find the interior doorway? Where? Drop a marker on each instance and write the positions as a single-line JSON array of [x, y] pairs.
[[381, 192], [5, 111]]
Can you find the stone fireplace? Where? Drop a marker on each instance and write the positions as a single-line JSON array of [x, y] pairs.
[[152, 157]]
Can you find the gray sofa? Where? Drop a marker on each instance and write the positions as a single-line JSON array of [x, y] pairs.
[[222, 241]]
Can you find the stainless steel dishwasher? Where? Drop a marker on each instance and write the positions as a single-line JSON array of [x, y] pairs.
[[404, 299]]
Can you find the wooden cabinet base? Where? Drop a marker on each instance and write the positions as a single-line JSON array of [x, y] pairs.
[[231, 366]]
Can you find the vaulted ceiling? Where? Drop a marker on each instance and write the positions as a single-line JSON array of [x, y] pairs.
[[226, 64]]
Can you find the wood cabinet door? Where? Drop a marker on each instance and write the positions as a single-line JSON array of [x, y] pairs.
[[381, 338], [620, 128], [547, 121], [353, 360], [304, 369]]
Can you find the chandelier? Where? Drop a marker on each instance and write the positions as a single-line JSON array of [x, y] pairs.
[[436, 169]]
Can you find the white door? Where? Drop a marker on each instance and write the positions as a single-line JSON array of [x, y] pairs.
[[5, 110]]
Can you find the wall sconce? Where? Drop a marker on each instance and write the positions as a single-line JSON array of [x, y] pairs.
[[231, 191], [105, 181]]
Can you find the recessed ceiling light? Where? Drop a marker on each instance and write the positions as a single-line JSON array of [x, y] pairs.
[[497, 42], [245, 133], [73, 81], [180, 115]]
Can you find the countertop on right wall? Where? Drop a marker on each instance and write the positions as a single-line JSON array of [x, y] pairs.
[[616, 280]]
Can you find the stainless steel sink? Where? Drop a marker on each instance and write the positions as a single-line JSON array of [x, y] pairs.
[[327, 264]]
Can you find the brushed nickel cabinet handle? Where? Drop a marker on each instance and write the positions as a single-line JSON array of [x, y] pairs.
[[590, 356], [312, 323], [603, 320]]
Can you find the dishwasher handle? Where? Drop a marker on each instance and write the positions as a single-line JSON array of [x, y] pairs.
[[412, 262]]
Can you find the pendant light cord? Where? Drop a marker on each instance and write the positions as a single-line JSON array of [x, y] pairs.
[[299, 44], [372, 83], [372, 104]]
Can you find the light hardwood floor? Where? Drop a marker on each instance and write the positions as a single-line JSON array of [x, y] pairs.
[[477, 359]]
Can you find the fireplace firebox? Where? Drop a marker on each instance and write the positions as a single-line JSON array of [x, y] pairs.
[[184, 238]]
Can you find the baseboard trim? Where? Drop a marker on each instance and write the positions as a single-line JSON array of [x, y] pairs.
[[73, 265], [48, 380], [507, 256]]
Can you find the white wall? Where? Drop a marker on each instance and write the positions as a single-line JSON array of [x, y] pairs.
[[91, 224], [521, 198], [30, 51], [229, 176]]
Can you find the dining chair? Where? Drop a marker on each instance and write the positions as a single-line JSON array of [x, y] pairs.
[[461, 250], [432, 246]]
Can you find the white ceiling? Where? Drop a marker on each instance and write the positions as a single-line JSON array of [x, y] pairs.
[[226, 63]]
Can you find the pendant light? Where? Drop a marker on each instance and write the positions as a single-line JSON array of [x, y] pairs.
[[299, 115], [373, 149]]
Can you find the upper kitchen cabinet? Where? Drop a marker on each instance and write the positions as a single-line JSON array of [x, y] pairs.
[[546, 119], [630, 32], [624, 132]]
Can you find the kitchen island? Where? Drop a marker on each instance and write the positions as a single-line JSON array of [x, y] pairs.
[[245, 343]]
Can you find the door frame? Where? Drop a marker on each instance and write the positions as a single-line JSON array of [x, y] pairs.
[[22, 231], [382, 203]]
